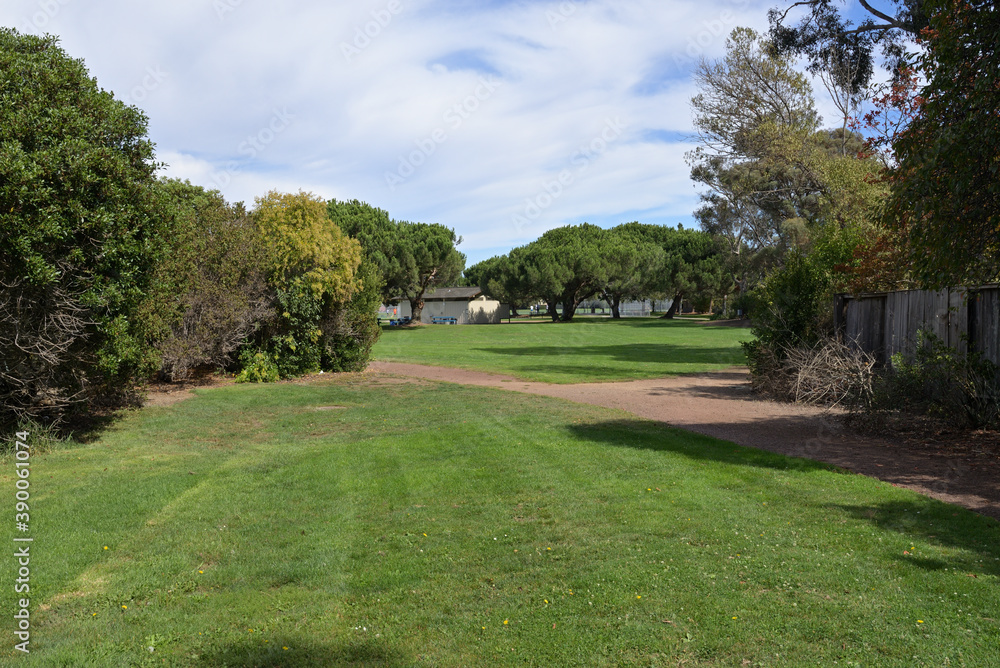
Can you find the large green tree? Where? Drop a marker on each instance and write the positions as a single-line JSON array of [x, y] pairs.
[[378, 235], [81, 231], [692, 263], [634, 267], [425, 257], [832, 43], [564, 267], [411, 259], [758, 131], [946, 189], [502, 278]]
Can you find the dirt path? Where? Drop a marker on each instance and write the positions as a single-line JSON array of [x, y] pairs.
[[720, 404]]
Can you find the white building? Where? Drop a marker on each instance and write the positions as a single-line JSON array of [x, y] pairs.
[[466, 305]]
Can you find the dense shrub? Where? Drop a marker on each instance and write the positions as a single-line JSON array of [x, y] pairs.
[[81, 232], [787, 305], [934, 379], [327, 303], [296, 346], [257, 367], [351, 332], [211, 291]]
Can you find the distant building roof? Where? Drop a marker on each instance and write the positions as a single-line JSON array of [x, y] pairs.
[[453, 294]]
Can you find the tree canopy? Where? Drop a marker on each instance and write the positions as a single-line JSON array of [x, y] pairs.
[[570, 264], [412, 258], [833, 44], [945, 192], [81, 229]]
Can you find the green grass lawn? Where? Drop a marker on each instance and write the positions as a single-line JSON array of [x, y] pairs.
[[355, 521], [585, 350]]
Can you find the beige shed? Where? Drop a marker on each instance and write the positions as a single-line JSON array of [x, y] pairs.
[[468, 306]]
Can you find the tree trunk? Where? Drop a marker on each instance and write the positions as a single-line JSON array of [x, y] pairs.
[[416, 308], [552, 311], [615, 304], [569, 310], [669, 315], [513, 312]]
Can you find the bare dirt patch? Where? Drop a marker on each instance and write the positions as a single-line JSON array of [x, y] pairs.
[[957, 468], [162, 393]]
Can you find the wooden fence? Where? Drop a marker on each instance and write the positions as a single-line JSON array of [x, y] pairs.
[[887, 322]]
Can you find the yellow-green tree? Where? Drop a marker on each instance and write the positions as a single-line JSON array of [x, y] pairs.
[[306, 245], [314, 270]]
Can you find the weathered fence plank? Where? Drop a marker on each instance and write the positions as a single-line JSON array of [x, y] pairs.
[[887, 323]]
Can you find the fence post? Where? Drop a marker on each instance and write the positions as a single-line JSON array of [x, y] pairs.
[[839, 315]]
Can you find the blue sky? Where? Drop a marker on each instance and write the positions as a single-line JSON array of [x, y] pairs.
[[500, 119]]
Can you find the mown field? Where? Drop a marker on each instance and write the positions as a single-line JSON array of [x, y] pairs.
[[358, 520], [585, 350]]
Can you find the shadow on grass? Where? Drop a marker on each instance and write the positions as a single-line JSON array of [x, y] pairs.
[[640, 434], [941, 524], [304, 654]]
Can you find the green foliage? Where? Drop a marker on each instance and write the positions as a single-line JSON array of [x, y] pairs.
[[210, 291], [565, 266], [776, 182], [787, 306], [377, 234], [306, 245], [352, 331], [634, 267], [692, 265], [426, 258], [296, 346], [946, 189], [257, 366], [936, 380], [502, 278], [326, 299], [412, 259], [81, 230]]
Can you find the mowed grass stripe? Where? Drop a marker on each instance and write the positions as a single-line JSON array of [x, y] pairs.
[[356, 521], [585, 350]]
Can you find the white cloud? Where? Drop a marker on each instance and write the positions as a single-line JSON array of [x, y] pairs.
[[359, 87]]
